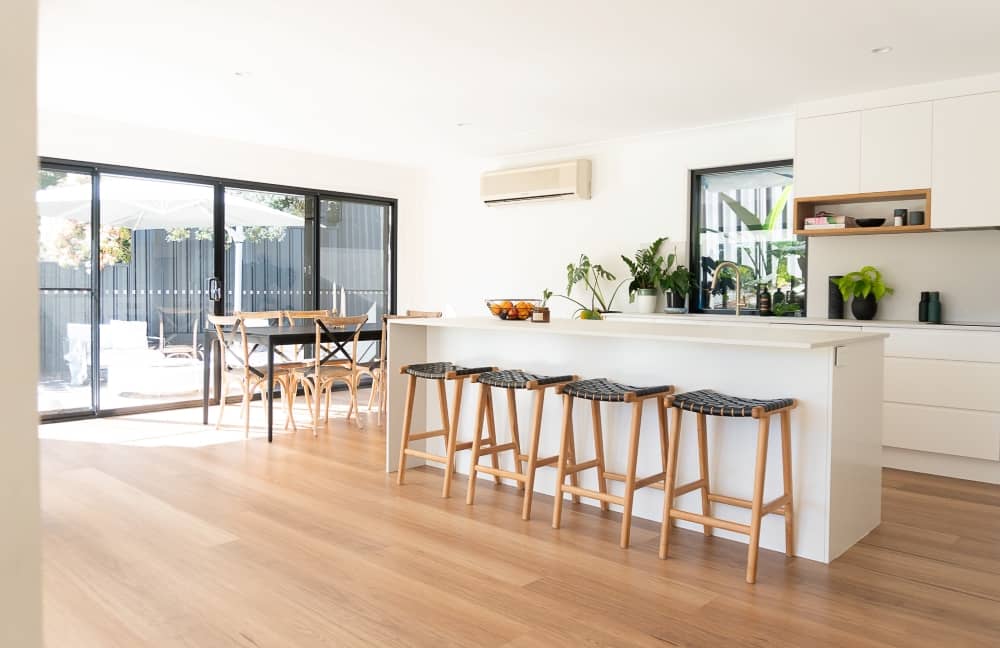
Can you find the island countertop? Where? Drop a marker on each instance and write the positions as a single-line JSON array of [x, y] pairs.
[[732, 335]]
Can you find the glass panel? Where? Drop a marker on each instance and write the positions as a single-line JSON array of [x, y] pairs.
[[156, 256], [266, 251], [353, 257], [745, 216], [64, 273]]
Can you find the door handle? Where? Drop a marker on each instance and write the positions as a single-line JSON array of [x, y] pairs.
[[214, 289]]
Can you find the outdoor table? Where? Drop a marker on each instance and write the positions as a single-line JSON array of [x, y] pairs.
[[271, 337]]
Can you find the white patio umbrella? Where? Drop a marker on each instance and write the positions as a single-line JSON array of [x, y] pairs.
[[141, 203]]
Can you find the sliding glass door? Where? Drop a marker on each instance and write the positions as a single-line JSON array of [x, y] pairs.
[[66, 291], [128, 259]]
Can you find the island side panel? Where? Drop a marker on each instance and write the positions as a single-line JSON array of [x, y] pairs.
[[747, 371], [406, 345], [856, 444]]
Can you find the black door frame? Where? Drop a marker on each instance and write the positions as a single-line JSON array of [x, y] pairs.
[[219, 184]]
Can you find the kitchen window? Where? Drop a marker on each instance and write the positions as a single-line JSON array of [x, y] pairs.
[[744, 214]]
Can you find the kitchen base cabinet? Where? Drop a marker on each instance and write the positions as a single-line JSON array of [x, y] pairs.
[[962, 433]]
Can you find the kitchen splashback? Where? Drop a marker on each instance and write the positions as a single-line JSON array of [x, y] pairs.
[[964, 266]]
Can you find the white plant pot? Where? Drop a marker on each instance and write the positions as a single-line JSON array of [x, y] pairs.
[[646, 301]]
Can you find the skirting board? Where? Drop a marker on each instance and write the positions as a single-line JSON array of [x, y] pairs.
[[944, 465]]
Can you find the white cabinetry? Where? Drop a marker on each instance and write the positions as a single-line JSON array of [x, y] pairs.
[[827, 155], [896, 148], [966, 160]]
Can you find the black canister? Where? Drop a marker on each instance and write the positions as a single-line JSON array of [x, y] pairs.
[[925, 298], [835, 302], [934, 308]]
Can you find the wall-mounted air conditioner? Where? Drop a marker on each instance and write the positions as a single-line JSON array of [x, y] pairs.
[[543, 182]]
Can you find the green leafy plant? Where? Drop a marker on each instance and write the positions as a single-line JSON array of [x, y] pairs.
[[545, 297], [591, 275], [750, 219], [786, 308], [866, 281], [646, 267]]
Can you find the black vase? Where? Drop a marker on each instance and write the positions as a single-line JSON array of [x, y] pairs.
[[835, 301], [864, 308], [674, 300]]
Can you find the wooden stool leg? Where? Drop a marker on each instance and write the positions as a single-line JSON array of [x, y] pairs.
[[670, 481], [706, 505], [786, 467], [449, 466], [515, 436], [411, 389], [602, 483], [470, 495], [574, 477], [661, 419], [536, 432], [567, 433], [633, 458], [758, 498], [491, 428]]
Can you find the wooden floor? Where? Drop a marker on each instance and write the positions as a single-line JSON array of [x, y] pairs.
[[159, 532]]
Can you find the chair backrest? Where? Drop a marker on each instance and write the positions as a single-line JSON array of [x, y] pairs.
[[420, 313], [236, 325], [311, 315], [325, 325], [261, 318]]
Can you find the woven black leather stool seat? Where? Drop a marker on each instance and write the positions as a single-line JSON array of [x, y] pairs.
[[439, 370], [602, 389], [707, 401], [517, 379]]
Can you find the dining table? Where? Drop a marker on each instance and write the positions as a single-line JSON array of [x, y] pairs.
[[270, 339]]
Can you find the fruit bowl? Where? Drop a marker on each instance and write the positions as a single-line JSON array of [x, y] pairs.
[[512, 309]]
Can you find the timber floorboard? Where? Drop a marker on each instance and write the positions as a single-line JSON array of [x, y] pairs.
[[161, 532]]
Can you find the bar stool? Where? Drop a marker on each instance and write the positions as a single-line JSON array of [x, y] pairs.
[[597, 390], [509, 381], [439, 372], [711, 403]]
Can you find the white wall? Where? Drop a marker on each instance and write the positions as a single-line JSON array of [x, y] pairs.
[[20, 540], [94, 140], [640, 191], [960, 265]]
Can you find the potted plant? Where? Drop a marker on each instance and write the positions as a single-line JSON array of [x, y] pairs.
[[541, 312], [646, 267], [867, 288], [675, 283], [591, 275]]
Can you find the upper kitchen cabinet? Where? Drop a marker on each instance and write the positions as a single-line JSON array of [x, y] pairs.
[[966, 160], [827, 154], [896, 148]]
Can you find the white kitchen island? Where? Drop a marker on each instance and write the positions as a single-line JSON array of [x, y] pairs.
[[836, 430]]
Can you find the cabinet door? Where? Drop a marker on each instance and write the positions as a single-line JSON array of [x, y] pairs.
[[896, 148], [966, 161], [827, 155]]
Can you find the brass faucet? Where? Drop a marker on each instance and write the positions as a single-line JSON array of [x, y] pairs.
[[739, 289]]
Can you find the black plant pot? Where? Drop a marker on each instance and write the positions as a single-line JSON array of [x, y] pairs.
[[674, 300], [864, 308]]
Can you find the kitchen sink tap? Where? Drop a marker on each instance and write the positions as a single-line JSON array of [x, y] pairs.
[[739, 289]]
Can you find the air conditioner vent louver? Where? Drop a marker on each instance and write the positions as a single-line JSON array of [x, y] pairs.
[[543, 182]]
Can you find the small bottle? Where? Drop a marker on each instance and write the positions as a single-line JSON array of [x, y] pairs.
[[925, 298], [764, 302], [934, 308]]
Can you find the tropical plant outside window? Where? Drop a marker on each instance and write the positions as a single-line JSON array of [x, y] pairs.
[[743, 214]]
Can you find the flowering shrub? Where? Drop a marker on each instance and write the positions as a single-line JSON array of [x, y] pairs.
[[70, 247]]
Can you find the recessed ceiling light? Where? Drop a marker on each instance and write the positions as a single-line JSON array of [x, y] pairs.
[[460, 124], [882, 50], [241, 74]]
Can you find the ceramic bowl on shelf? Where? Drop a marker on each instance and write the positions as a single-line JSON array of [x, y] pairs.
[[512, 309], [870, 222]]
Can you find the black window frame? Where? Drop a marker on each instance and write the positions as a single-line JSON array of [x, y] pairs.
[[219, 185], [694, 225]]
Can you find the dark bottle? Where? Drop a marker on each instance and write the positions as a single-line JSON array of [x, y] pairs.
[[835, 300], [934, 308], [764, 302], [925, 298]]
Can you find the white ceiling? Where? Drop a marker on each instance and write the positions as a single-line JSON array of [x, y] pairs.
[[389, 80]]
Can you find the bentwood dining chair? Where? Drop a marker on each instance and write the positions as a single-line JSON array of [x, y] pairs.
[[293, 317], [284, 361], [375, 369], [319, 380], [237, 367]]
